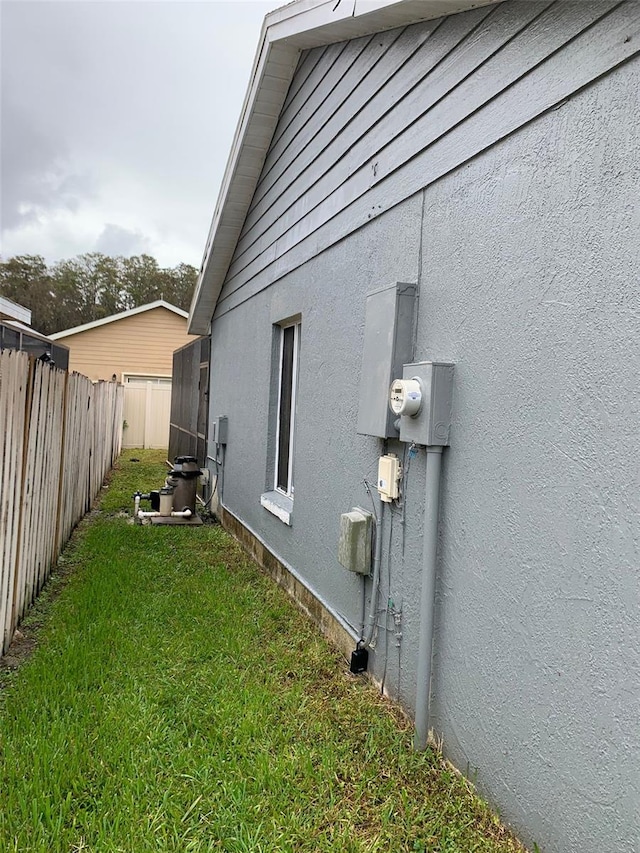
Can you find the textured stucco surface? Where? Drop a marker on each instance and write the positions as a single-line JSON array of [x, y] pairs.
[[530, 259], [527, 261], [331, 460]]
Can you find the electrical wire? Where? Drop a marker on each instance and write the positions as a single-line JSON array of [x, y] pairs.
[[367, 486], [209, 499]]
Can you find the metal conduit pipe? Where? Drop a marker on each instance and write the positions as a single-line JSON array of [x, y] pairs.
[[429, 550], [365, 642]]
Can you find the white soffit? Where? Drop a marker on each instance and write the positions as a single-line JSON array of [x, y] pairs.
[[286, 32]]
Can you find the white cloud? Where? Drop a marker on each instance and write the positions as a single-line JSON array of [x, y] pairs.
[[119, 115]]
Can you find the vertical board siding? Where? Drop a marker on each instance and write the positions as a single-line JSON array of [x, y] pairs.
[[13, 401], [437, 96], [60, 434]]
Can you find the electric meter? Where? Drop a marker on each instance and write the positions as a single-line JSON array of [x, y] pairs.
[[405, 397], [423, 399]]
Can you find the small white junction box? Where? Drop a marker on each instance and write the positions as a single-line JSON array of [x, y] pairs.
[[389, 472]]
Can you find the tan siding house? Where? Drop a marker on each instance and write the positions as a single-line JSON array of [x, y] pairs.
[[134, 344], [134, 348]]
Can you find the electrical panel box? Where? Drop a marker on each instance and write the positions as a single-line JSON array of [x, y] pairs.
[[219, 429], [389, 472], [388, 344], [431, 423], [354, 544]]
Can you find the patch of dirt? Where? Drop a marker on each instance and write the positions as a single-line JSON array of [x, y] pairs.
[[20, 649], [25, 639]]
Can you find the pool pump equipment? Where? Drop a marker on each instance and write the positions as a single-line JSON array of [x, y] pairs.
[[175, 502]]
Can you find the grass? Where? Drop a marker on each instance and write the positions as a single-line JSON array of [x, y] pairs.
[[177, 701]]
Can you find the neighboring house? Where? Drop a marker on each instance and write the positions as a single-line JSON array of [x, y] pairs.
[[16, 333], [134, 348], [490, 159]]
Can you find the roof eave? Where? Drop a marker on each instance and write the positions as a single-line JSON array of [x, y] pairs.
[[13, 311], [286, 32], [85, 327]]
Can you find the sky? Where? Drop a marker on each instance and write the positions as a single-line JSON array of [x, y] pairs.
[[116, 121]]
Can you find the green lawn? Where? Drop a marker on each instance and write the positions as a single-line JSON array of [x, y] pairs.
[[177, 701]]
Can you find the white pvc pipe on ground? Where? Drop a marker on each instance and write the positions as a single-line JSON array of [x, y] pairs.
[[185, 513]]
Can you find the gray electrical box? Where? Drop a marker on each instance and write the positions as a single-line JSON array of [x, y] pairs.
[[431, 425], [388, 344], [354, 544], [219, 429]]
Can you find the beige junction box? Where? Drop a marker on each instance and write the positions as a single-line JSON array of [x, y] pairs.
[[389, 471]]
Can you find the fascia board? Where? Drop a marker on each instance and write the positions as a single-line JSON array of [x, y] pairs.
[[14, 311], [285, 33], [260, 112]]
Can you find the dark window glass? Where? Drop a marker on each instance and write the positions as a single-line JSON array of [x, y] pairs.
[[60, 356], [10, 338], [34, 346], [284, 412]]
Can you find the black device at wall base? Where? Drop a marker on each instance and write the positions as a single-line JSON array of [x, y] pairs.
[[359, 661]]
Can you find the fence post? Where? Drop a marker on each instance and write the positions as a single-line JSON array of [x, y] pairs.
[[20, 504], [57, 542]]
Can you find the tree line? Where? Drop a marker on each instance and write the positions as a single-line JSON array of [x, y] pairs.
[[91, 286]]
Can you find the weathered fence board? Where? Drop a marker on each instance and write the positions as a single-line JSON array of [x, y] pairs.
[[59, 435]]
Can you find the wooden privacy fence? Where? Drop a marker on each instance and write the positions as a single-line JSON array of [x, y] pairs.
[[59, 435]]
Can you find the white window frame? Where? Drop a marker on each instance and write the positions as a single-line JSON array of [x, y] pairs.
[[292, 412], [155, 378]]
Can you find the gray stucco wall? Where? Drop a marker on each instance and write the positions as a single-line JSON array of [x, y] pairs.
[[330, 459], [529, 286], [527, 261]]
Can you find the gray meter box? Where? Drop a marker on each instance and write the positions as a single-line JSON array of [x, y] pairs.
[[432, 423], [388, 344]]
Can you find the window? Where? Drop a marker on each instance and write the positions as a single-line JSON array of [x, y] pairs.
[[134, 379], [284, 383], [286, 409]]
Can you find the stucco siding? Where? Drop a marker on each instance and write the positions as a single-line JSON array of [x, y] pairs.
[[408, 107], [525, 255], [330, 459], [528, 285], [141, 344]]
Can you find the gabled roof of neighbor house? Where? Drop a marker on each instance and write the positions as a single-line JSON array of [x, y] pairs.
[[159, 303], [286, 32]]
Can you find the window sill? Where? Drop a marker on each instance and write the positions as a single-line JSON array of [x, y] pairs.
[[279, 505]]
